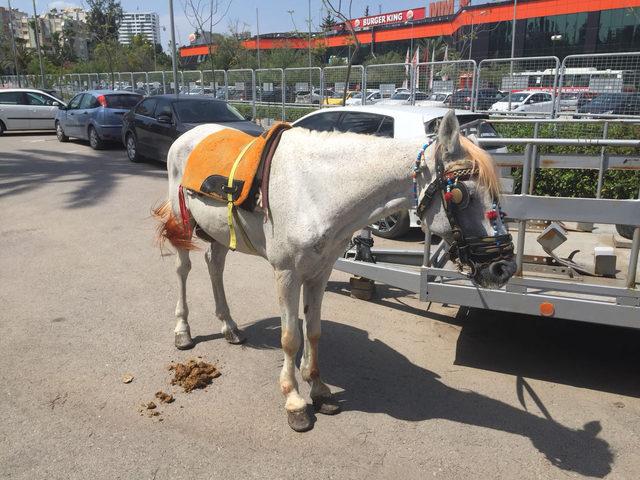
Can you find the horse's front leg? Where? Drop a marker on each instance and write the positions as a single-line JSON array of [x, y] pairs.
[[215, 258], [288, 287], [309, 367], [182, 332]]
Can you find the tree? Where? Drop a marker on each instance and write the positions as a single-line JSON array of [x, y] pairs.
[[203, 15], [354, 39], [103, 21], [328, 22]]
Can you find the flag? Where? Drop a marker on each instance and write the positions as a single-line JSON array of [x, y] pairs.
[[406, 70]]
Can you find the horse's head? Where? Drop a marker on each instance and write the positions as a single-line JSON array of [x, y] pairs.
[[458, 197]]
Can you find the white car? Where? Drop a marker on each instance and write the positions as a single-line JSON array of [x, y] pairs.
[[314, 97], [525, 101], [27, 109], [403, 97], [395, 121], [435, 100], [373, 96]]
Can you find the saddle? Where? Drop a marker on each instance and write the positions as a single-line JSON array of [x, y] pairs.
[[229, 165], [233, 167]]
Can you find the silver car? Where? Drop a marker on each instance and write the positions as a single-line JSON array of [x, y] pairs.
[[27, 109]]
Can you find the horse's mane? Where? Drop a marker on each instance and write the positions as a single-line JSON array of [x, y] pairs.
[[487, 173]]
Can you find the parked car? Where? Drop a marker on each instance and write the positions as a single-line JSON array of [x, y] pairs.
[[95, 115], [314, 97], [373, 96], [435, 100], [486, 97], [573, 101], [27, 109], [149, 129], [403, 97], [525, 101], [395, 121], [613, 104]]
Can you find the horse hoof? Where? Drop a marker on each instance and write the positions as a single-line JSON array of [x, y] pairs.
[[235, 336], [326, 405], [299, 420], [183, 341]]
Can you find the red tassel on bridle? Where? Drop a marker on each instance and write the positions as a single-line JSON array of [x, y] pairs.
[[184, 213]]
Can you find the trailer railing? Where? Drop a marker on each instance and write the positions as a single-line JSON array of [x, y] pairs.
[[590, 299]]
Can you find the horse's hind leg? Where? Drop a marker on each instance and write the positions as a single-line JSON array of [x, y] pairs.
[[309, 366], [215, 258], [288, 287], [183, 339]]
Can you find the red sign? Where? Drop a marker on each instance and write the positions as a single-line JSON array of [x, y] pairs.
[[389, 18], [445, 7]]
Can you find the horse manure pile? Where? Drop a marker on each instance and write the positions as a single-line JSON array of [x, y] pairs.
[[193, 374], [164, 397]]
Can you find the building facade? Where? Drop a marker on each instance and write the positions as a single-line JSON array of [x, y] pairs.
[[481, 30], [146, 24], [20, 21]]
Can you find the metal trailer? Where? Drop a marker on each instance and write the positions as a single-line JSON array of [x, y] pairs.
[[616, 302]]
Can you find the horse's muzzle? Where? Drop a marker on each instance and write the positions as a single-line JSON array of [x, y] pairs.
[[495, 274]]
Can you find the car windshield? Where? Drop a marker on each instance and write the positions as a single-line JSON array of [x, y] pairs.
[[356, 95], [206, 111], [401, 96], [515, 97], [438, 97], [122, 101]]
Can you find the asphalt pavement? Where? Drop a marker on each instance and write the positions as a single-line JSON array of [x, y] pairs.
[[428, 391]]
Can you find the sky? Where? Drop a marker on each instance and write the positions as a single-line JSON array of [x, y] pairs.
[[274, 15]]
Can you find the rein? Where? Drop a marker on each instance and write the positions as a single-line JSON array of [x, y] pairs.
[[476, 252]]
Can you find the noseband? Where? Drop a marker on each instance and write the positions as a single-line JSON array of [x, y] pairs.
[[476, 252]]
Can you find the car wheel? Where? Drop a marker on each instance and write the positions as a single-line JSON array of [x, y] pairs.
[[60, 133], [2, 128], [625, 231], [132, 147], [94, 140], [393, 226]]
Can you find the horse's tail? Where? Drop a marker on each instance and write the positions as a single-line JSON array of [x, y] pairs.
[[172, 229]]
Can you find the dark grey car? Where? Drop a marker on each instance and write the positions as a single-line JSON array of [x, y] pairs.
[[150, 128]]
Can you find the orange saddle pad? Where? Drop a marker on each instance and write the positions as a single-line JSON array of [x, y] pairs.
[[210, 163]]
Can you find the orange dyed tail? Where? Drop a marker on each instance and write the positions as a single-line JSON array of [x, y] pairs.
[[172, 229]]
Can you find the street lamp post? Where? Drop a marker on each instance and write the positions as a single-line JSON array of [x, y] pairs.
[[513, 49], [174, 59], [35, 23], [13, 44]]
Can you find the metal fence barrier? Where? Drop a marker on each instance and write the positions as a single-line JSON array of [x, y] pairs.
[[438, 84], [591, 85], [529, 84], [335, 79], [600, 84], [384, 81]]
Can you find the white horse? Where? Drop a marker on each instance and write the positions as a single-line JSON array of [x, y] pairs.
[[323, 187]]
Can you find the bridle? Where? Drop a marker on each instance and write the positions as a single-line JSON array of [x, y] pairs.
[[475, 252]]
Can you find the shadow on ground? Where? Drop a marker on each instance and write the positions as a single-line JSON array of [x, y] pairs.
[[579, 354], [94, 177], [381, 380]]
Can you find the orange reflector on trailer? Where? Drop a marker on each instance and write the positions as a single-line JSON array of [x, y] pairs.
[[547, 309]]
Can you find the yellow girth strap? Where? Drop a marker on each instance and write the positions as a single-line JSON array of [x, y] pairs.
[[232, 232]]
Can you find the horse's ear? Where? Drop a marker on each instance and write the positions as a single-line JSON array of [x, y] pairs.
[[449, 136]]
